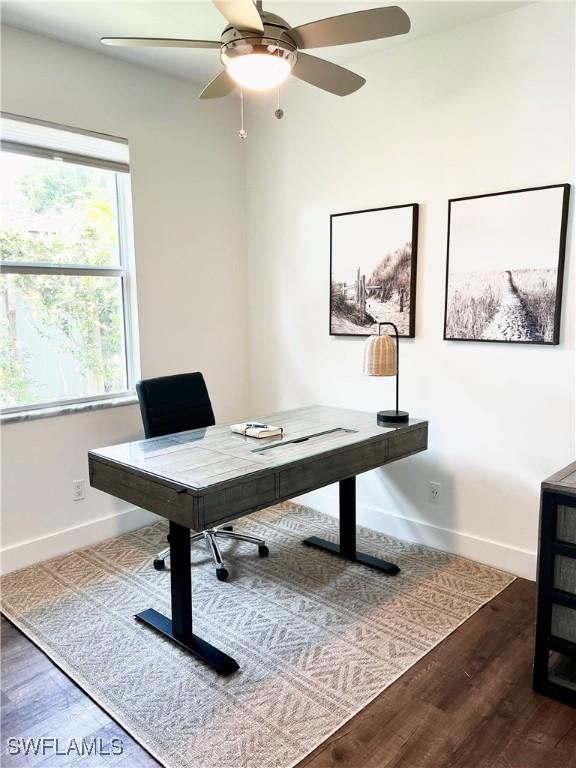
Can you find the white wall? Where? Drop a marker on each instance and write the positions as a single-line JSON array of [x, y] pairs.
[[482, 108], [187, 182]]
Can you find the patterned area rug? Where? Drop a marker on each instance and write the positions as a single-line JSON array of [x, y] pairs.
[[316, 638]]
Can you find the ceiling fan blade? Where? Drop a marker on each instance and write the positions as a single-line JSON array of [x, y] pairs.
[[159, 42], [326, 75], [220, 86], [242, 14], [354, 27]]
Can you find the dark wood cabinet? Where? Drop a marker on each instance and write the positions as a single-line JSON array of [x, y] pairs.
[[555, 649]]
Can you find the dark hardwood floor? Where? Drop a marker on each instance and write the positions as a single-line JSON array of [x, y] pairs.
[[468, 704]]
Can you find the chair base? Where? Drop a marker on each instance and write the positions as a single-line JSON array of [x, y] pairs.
[[210, 537]]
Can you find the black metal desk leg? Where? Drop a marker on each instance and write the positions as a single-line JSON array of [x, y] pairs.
[[179, 629], [347, 493], [180, 581], [347, 546]]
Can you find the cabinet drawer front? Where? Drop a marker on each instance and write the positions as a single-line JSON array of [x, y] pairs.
[[565, 574], [566, 524], [564, 622], [562, 671]]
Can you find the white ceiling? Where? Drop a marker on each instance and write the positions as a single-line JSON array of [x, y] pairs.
[[83, 22]]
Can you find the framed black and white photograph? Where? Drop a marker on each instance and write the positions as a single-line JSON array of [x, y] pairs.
[[373, 270], [505, 264]]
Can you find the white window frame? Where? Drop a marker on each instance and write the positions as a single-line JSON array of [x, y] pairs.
[[125, 269]]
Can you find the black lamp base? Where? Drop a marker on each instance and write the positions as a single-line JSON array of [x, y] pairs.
[[392, 417]]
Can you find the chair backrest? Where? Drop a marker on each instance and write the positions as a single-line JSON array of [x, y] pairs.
[[171, 404]]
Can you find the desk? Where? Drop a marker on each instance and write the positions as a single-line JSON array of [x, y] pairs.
[[207, 477]]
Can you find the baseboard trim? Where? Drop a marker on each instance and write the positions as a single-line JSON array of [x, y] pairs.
[[520, 562], [59, 543]]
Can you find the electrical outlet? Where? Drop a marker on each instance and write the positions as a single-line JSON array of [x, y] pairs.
[[434, 493], [78, 490]]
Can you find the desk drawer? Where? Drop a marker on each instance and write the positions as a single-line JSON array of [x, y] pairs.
[[323, 471], [405, 443], [145, 493], [236, 500]]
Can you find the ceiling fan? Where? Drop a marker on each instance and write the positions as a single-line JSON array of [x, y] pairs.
[[259, 50]]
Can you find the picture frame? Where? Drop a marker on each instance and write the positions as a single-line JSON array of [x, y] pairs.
[[373, 261], [505, 260]]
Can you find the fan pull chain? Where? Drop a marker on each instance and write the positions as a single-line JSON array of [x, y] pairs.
[[243, 133], [279, 112]]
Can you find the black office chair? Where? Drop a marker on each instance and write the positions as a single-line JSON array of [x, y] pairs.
[[170, 404]]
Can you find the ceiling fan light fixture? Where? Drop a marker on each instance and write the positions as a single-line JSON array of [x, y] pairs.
[[258, 64], [259, 71]]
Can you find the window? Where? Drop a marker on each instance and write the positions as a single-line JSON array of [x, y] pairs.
[[67, 297]]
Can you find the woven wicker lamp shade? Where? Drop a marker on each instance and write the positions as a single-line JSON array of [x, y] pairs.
[[381, 358]]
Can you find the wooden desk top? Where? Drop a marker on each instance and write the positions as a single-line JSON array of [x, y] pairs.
[[200, 459], [210, 476]]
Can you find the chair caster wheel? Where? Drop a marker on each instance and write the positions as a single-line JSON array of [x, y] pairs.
[[222, 574], [263, 550], [159, 565]]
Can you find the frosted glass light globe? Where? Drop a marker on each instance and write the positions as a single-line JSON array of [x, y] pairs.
[[258, 71]]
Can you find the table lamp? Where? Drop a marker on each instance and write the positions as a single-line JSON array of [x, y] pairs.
[[382, 358]]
